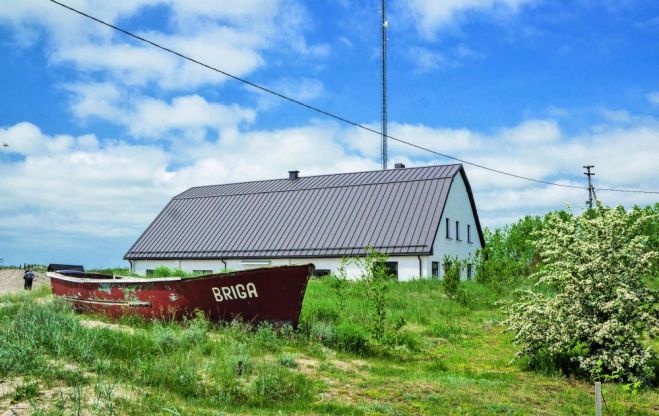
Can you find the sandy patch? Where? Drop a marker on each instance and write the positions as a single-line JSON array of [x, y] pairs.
[[11, 281], [90, 323]]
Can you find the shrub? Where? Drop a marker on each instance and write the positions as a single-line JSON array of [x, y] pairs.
[[164, 271], [452, 270], [594, 323], [375, 278], [510, 252], [351, 337]]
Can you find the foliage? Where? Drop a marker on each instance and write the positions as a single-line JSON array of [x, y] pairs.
[[164, 271], [340, 282], [452, 270], [593, 324], [509, 253], [375, 278]]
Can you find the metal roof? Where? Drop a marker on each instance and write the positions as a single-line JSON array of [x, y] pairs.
[[394, 211]]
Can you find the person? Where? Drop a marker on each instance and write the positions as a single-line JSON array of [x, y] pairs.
[[28, 277]]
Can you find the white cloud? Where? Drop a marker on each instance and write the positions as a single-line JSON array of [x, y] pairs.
[[232, 36], [653, 97], [152, 118], [81, 186], [532, 131], [145, 117], [433, 15]]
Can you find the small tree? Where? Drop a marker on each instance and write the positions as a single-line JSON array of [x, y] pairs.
[[601, 308], [452, 270], [340, 282], [375, 277]]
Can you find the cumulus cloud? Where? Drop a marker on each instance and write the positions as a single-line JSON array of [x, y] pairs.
[[432, 15], [82, 186], [233, 36], [155, 119]]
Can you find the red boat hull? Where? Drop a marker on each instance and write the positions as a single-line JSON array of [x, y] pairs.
[[272, 294]]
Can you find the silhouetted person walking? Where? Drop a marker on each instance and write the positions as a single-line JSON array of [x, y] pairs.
[[28, 277]]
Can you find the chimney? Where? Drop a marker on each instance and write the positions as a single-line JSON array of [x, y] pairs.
[[399, 166], [293, 174]]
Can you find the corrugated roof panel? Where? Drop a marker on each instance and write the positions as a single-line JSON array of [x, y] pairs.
[[396, 211]]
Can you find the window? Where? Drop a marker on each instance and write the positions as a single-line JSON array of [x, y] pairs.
[[448, 228], [391, 268], [322, 272], [469, 233], [435, 269], [201, 272], [149, 272], [457, 231], [469, 272]]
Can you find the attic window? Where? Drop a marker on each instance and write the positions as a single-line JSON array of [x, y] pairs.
[[469, 233], [448, 228], [457, 231]]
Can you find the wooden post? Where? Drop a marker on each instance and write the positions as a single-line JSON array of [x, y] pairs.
[[598, 398]]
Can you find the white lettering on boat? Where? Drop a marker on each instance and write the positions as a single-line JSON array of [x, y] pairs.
[[235, 292]]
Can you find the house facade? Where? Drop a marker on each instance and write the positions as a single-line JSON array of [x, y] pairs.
[[417, 216]]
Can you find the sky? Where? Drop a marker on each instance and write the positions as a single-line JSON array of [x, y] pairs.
[[101, 130]]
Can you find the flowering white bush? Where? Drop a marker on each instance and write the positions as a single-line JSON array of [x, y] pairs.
[[600, 309]]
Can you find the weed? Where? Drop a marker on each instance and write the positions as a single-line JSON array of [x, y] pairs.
[[288, 361], [26, 391], [274, 385]]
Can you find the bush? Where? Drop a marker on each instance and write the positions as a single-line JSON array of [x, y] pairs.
[[510, 253], [351, 337], [594, 323], [451, 282]]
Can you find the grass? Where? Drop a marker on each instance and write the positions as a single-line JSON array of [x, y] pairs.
[[439, 356]]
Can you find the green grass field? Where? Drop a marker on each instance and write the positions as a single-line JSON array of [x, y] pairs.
[[438, 356]]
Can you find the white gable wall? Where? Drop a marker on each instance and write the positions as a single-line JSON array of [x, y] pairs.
[[457, 208]]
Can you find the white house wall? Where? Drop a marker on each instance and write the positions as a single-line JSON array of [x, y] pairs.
[[457, 208], [408, 266]]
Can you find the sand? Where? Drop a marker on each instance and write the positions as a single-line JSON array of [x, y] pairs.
[[11, 281]]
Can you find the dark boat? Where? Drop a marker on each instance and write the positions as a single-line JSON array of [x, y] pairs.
[[271, 294]]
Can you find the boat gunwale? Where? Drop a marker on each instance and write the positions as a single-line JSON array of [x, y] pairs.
[[114, 279], [119, 279]]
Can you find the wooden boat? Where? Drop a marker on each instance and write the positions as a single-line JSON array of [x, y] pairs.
[[272, 294]]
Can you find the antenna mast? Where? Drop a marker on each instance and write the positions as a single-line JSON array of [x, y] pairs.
[[384, 84]]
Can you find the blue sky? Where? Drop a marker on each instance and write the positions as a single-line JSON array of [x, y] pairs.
[[103, 130]]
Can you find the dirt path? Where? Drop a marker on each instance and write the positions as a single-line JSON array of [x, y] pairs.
[[11, 281]]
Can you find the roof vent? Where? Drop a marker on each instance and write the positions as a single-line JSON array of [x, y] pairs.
[[293, 174], [399, 166]]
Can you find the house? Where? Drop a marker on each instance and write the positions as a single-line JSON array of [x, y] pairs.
[[415, 215]]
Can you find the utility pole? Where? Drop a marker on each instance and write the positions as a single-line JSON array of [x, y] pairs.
[[591, 190], [384, 84]]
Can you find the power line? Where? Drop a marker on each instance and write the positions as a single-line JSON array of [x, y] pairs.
[[635, 191], [327, 113]]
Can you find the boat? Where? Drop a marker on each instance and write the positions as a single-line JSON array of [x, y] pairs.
[[272, 294]]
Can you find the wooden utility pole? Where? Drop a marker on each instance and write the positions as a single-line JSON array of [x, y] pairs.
[[591, 190], [384, 84]]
